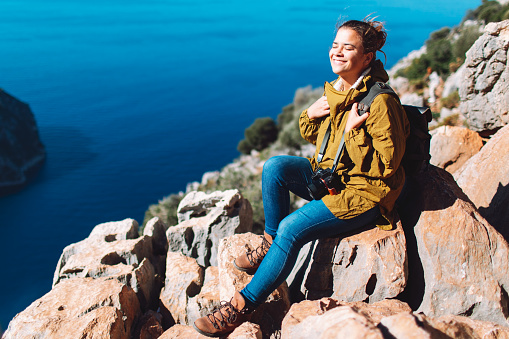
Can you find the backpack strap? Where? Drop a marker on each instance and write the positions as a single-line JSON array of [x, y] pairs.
[[374, 90]]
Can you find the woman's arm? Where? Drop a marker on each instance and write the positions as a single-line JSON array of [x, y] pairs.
[[377, 147]]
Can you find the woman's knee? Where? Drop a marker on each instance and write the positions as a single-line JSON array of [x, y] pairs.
[[287, 233], [274, 163]]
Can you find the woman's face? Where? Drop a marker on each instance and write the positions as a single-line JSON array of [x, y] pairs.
[[347, 56]]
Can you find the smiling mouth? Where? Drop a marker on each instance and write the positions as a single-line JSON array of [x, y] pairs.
[[336, 61]]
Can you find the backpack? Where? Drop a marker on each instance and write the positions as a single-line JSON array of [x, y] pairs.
[[416, 157]]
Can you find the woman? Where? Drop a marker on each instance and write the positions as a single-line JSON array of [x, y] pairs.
[[369, 175]]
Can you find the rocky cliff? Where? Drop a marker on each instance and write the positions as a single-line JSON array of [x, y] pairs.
[[21, 150], [442, 273], [484, 93]]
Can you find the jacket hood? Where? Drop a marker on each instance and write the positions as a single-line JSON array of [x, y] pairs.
[[339, 100], [378, 72]]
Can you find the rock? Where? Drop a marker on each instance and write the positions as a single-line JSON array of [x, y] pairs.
[[455, 325], [413, 99], [192, 186], [270, 314], [331, 318], [447, 112], [458, 263], [181, 331], [111, 251], [485, 180], [340, 322], [21, 153], [79, 308], [400, 84], [149, 326], [484, 91], [453, 82], [434, 81], [156, 229], [452, 146], [204, 219], [208, 299], [210, 178], [370, 265], [116, 230], [406, 325], [245, 331], [184, 280]]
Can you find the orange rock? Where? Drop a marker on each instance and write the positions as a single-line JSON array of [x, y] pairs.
[[79, 308], [452, 146], [485, 180]]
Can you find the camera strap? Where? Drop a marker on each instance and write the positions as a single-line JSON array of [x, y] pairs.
[[324, 146]]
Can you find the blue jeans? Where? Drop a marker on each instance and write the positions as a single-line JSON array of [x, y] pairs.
[[282, 175]]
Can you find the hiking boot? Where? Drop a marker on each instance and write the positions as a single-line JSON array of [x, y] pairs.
[[249, 261], [224, 319]]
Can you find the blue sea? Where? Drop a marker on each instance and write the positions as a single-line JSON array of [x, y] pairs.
[[134, 99]]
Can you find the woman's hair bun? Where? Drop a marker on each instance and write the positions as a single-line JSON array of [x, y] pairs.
[[371, 31]]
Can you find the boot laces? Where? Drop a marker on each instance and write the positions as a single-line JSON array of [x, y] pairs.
[[227, 314], [256, 256]]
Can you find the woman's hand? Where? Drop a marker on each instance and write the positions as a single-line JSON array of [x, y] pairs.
[[319, 109], [354, 120]]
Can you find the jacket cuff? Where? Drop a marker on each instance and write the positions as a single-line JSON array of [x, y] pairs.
[[305, 118]]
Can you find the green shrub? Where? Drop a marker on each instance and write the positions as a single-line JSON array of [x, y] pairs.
[[165, 209], [286, 116], [259, 135], [417, 69], [439, 51], [290, 136], [451, 101], [489, 11], [438, 56], [466, 39]]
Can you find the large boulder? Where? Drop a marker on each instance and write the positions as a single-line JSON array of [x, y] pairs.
[[324, 318], [21, 150], [484, 92], [114, 249], [452, 146], [204, 219], [268, 315], [418, 325], [331, 318], [79, 308], [370, 265], [458, 263], [485, 180], [184, 280]]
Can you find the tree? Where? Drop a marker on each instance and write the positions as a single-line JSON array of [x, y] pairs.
[[259, 135]]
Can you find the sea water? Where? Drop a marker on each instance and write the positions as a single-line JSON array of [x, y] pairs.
[[134, 99]]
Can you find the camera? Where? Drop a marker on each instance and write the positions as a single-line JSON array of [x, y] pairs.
[[323, 182]]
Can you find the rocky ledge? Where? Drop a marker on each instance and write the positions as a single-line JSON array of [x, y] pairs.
[[443, 272], [21, 150]]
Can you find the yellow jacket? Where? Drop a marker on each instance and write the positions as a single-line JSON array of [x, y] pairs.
[[369, 167]]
